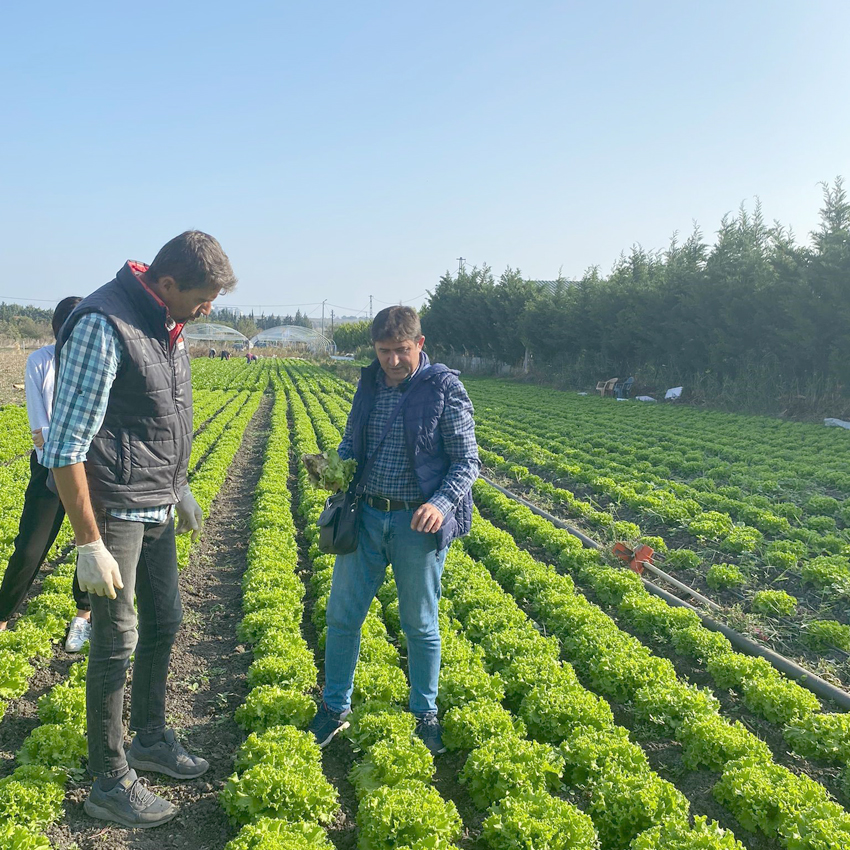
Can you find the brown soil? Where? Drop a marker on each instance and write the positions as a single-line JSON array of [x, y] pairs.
[[12, 367], [207, 679]]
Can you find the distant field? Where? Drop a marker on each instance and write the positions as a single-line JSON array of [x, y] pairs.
[[12, 365]]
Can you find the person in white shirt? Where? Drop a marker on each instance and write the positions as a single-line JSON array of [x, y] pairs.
[[43, 513]]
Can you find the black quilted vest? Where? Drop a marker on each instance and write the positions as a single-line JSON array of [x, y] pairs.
[[139, 458]]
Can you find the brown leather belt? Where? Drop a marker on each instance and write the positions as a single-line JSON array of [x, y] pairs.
[[379, 503]]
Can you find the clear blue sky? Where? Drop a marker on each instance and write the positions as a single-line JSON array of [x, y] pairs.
[[339, 150]]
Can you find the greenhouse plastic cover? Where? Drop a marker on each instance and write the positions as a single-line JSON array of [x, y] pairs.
[[212, 332]]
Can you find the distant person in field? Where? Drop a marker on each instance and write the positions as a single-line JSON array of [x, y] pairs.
[[212, 353], [42, 514], [418, 499], [119, 447]]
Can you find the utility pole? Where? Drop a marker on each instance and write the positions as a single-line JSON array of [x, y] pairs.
[[370, 308], [460, 262], [332, 324], [323, 317]]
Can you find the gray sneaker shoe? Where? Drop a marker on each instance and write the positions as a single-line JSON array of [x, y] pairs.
[[168, 757], [429, 730], [327, 723], [129, 803]]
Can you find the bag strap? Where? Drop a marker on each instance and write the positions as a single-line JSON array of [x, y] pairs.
[[370, 461]]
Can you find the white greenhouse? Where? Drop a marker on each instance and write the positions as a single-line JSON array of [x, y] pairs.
[[202, 332], [294, 336]]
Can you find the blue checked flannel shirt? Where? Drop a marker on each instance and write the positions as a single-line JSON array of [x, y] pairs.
[[391, 475], [88, 364]]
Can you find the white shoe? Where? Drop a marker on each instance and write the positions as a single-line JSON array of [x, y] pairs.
[[78, 634]]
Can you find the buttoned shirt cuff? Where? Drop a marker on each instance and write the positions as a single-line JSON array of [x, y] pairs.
[[441, 503], [63, 454]]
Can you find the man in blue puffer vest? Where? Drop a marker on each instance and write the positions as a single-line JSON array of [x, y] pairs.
[[418, 499]]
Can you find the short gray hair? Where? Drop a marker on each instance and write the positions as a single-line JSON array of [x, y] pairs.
[[196, 261]]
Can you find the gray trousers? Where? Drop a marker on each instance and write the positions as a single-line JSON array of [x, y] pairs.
[[147, 557]]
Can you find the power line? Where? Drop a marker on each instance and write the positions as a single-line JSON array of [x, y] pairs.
[[406, 301], [264, 306], [350, 309], [15, 299]]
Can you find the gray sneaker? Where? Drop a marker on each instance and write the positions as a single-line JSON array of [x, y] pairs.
[[429, 730], [168, 757], [327, 723], [129, 803]]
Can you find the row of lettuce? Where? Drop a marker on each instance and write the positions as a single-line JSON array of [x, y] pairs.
[[824, 572], [26, 646], [753, 453], [623, 669], [278, 794], [31, 797], [515, 780], [397, 805], [741, 543], [760, 793], [209, 374], [14, 433], [492, 695]]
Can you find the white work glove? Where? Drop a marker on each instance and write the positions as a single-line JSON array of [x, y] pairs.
[[97, 570], [190, 517]]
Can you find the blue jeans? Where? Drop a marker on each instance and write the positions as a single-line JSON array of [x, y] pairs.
[[147, 557], [386, 538]]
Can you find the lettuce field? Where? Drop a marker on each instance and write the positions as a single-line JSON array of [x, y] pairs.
[[580, 710]]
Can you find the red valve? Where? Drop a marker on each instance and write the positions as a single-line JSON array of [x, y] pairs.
[[635, 558]]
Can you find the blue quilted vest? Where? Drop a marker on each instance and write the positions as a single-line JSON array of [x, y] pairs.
[[425, 451]]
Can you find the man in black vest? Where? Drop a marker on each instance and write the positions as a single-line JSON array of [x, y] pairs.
[[119, 448]]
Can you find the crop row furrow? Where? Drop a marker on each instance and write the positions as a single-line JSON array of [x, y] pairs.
[[623, 669]]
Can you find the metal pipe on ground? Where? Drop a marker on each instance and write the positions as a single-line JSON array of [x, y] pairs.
[[806, 678], [681, 585]]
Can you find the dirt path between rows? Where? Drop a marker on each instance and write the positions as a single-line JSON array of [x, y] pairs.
[[207, 677]]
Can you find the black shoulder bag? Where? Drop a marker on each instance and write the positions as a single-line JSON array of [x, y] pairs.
[[339, 522]]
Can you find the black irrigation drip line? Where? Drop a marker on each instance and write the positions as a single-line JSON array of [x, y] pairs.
[[789, 624], [806, 678]]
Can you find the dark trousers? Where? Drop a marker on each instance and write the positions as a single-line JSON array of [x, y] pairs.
[[40, 522], [147, 557]]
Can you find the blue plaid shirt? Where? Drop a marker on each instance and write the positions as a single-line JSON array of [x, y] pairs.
[[88, 364], [391, 475]]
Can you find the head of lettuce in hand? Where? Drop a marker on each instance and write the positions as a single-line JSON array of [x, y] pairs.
[[328, 471]]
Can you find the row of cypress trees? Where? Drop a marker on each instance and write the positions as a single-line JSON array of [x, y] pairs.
[[756, 313]]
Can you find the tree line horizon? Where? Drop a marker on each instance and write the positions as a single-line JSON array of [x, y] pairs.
[[757, 307]]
